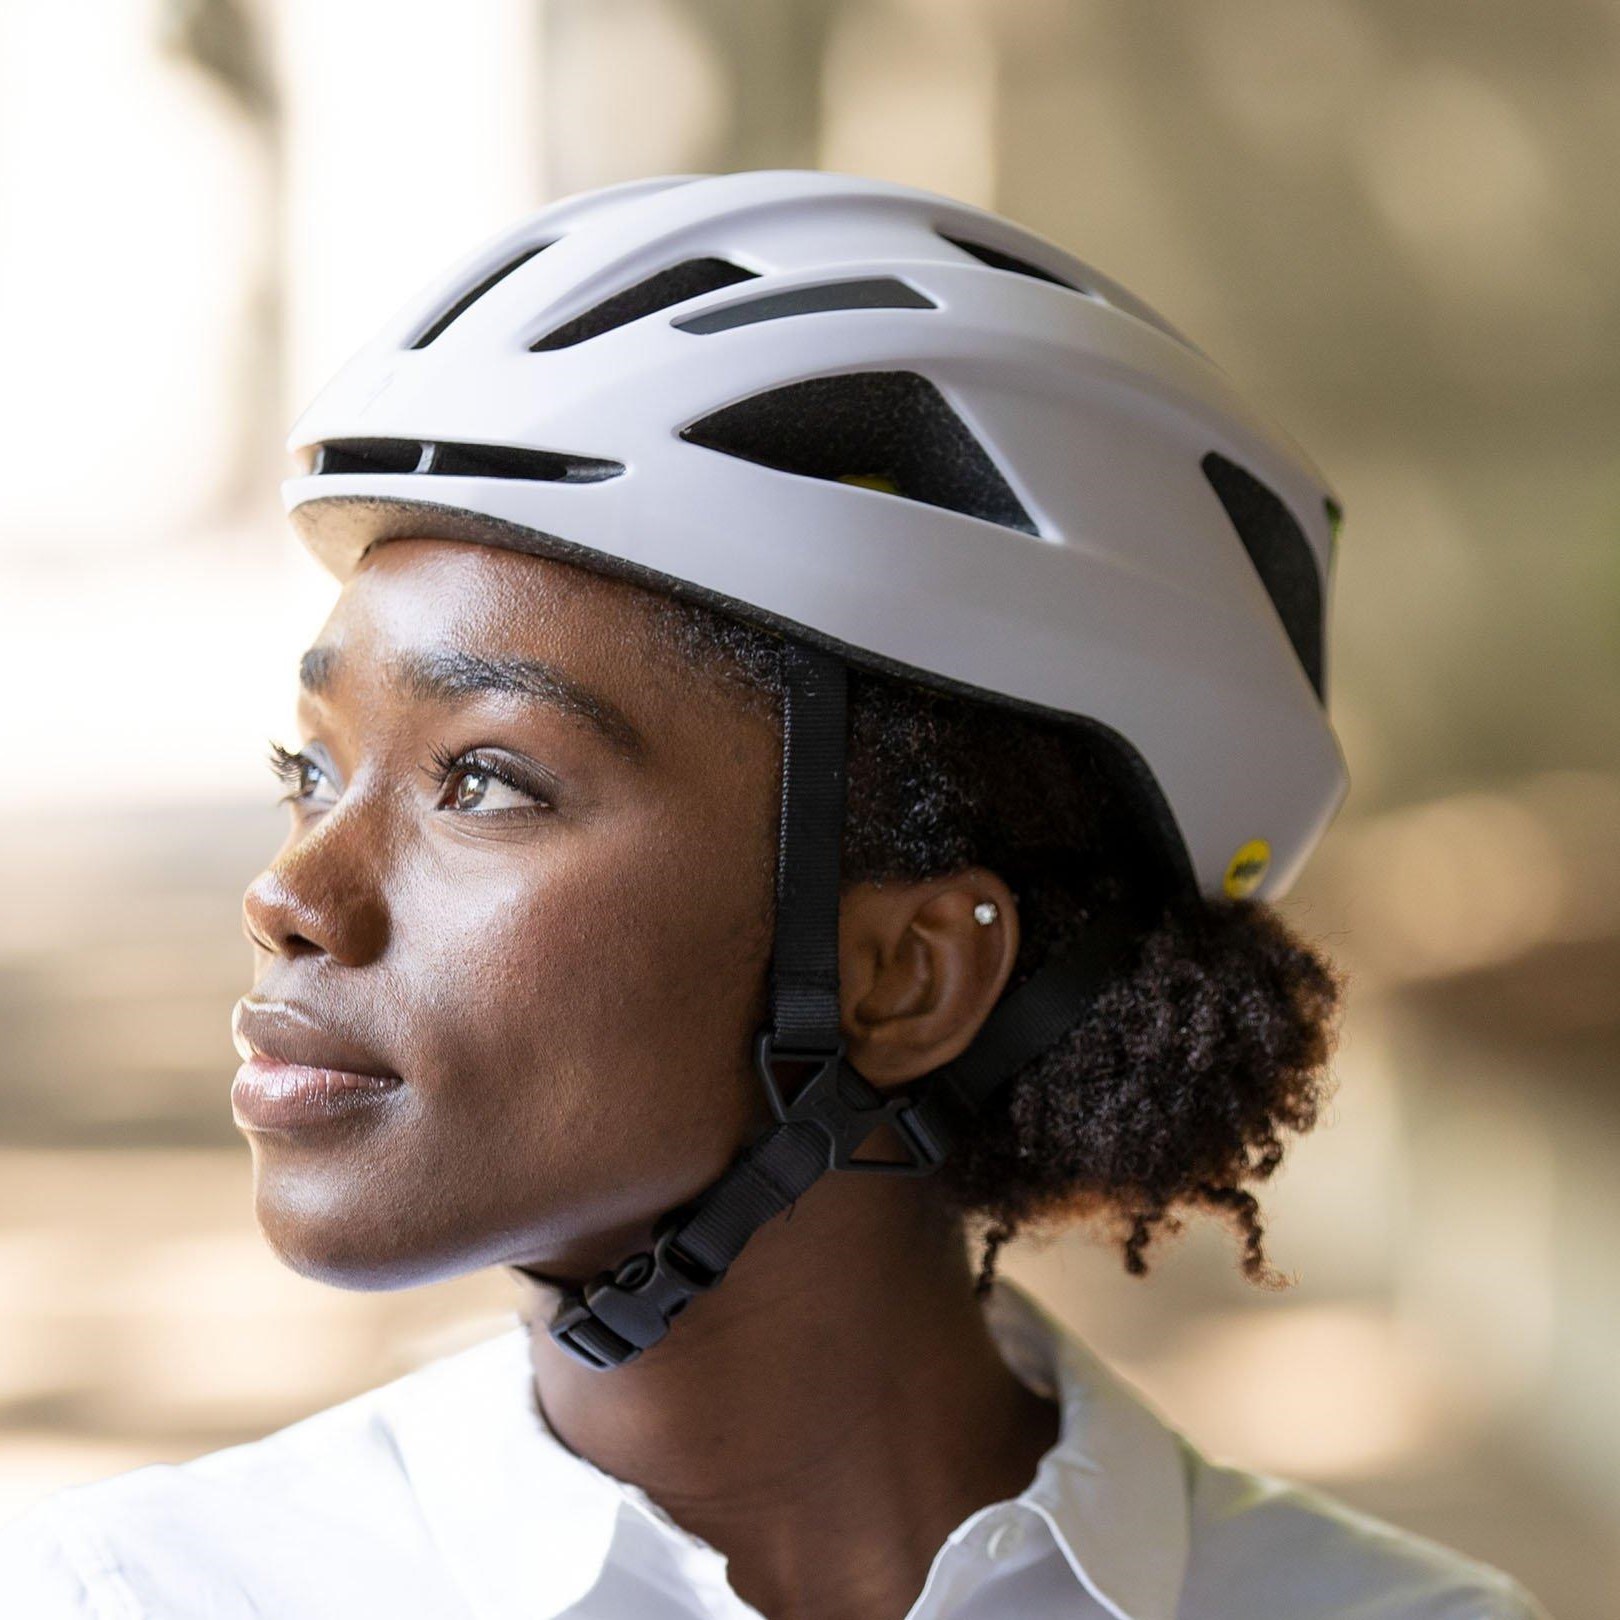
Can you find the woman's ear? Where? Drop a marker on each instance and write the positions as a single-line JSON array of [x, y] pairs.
[[919, 970]]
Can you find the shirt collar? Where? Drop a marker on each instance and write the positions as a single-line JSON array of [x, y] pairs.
[[527, 1526], [1114, 1489]]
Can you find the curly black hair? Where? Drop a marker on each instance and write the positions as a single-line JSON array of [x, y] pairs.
[[1174, 1092]]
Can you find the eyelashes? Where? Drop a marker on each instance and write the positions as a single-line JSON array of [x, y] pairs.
[[293, 770]]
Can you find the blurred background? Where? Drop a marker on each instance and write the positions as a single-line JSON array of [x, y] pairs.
[[1393, 224]]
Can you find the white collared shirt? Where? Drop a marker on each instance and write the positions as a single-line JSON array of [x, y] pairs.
[[443, 1496]]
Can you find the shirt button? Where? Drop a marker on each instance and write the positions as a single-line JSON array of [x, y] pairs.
[[1005, 1539]]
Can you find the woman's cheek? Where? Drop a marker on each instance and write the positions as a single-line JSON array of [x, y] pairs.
[[523, 990], [579, 1002]]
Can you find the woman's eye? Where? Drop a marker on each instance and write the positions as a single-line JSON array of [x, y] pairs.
[[479, 790], [306, 780], [471, 783]]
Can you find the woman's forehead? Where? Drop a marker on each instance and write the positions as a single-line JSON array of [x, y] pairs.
[[506, 594], [433, 618], [419, 594]]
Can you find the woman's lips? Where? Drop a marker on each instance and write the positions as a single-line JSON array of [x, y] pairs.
[[300, 1068], [269, 1095]]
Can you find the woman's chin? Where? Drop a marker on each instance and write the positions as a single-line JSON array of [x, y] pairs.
[[342, 1246], [333, 1235]]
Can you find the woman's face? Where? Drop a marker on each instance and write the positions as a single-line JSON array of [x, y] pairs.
[[563, 970]]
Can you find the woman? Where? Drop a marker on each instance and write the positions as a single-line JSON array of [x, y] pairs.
[[823, 688]]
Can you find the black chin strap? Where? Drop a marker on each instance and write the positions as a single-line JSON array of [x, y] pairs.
[[826, 1113]]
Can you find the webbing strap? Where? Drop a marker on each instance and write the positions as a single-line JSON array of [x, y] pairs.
[[1024, 1023], [804, 963], [771, 1174], [1044, 1008], [613, 1319]]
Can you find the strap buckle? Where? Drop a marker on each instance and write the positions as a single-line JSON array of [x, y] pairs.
[[610, 1321], [848, 1110]]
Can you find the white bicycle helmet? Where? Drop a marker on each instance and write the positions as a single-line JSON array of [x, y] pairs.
[[905, 433]]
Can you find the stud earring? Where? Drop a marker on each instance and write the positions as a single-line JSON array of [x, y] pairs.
[[985, 913]]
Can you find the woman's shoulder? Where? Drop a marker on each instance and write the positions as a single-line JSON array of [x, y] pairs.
[[270, 1515], [1167, 1529], [1263, 1545], [204, 1527]]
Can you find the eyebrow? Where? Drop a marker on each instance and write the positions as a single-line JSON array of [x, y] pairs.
[[446, 675]]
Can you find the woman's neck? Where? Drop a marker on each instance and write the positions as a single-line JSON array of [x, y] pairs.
[[828, 1415]]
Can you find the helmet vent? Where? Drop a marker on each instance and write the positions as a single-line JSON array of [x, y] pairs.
[[690, 279], [889, 430], [502, 461], [875, 292], [1280, 553], [367, 456], [997, 260], [460, 461], [471, 297]]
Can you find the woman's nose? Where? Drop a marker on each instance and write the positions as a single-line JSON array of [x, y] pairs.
[[308, 902]]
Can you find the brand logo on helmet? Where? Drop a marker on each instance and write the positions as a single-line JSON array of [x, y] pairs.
[[1247, 869]]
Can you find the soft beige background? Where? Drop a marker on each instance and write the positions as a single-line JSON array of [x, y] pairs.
[[1394, 224]]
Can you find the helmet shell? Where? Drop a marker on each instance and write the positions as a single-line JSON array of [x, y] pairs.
[[1135, 606]]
